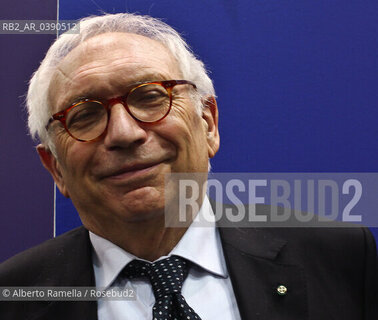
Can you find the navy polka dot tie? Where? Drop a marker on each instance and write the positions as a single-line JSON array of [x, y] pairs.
[[166, 277]]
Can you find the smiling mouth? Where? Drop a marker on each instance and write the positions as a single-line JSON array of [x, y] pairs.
[[133, 172]]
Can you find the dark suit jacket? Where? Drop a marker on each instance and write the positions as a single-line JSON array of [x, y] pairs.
[[329, 274]]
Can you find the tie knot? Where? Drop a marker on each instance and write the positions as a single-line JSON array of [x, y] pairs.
[[166, 275]]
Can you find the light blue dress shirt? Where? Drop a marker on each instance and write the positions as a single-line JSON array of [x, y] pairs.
[[207, 289]]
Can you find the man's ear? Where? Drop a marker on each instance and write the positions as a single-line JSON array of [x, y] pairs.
[[210, 116], [51, 164]]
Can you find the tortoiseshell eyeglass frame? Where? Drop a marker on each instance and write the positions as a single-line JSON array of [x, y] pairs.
[[167, 84]]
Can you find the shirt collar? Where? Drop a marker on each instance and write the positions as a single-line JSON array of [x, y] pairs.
[[200, 244]]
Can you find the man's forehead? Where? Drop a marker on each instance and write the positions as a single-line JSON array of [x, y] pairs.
[[106, 44], [106, 52]]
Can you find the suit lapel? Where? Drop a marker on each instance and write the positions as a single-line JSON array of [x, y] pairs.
[[258, 263], [72, 268]]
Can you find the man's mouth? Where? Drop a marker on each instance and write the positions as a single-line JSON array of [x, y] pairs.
[[133, 171]]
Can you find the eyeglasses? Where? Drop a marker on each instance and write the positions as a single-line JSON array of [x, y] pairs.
[[147, 102]]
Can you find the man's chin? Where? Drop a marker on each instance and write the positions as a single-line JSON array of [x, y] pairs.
[[143, 204], [141, 216]]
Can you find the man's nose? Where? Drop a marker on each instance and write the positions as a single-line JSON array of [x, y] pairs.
[[123, 130]]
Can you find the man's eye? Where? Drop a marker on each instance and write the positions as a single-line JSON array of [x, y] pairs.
[[85, 115], [152, 96], [149, 95]]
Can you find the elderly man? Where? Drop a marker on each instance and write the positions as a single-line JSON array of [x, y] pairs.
[[117, 108]]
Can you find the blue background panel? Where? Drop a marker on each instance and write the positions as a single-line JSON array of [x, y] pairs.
[[26, 189]]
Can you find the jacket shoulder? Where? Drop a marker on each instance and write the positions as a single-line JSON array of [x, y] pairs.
[[37, 265]]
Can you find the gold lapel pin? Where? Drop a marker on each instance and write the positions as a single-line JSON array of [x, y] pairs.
[[281, 290]]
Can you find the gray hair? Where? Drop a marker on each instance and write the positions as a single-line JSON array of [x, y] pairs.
[[37, 98]]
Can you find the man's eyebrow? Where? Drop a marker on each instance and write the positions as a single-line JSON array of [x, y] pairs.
[[152, 77], [75, 100]]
